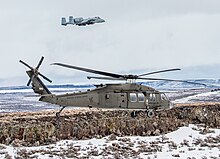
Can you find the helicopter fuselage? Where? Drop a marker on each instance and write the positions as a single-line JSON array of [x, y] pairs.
[[124, 96]]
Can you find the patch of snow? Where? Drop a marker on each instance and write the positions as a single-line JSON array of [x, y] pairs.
[[178, 144], [206, 96]]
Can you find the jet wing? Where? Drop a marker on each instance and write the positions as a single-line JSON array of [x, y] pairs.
[[86, 21]]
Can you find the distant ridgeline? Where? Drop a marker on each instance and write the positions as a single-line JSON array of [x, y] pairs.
[[211, 83], [49, 86]]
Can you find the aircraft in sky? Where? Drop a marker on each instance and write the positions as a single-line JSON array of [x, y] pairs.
[[81, 21]]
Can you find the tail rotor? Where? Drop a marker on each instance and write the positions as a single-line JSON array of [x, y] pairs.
[[34, 72]]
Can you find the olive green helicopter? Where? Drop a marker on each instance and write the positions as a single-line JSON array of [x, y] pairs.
[[129, 95]]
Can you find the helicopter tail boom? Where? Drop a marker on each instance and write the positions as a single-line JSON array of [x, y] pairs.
[[37, 85]]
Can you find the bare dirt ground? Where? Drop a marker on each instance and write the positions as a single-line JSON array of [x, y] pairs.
[[115, 129], [34, 128], [197, 104], [10, 117]]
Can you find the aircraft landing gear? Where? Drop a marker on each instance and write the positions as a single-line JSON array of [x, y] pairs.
[[150, 113], [58, 117], [134, 114], [147, 113]]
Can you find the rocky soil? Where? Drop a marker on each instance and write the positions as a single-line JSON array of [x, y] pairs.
[[40, 128]]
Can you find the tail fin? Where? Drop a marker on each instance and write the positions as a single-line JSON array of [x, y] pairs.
[[71, 20], [63, 21], [37, 85]]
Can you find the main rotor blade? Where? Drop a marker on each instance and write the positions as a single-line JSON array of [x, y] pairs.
[[31, 79], [105, 78], [162, 79], [45, 77], [150, 73], [29, 82], [89, 70], [40, 62], [26, 64]]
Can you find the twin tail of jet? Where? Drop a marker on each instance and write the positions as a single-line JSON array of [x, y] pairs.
[[81, 21]]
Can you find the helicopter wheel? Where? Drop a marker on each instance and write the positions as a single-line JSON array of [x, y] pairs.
[[150, 113], [133, 114], [142, 114]]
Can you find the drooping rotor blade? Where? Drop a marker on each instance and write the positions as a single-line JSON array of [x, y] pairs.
[[162, 79], [44, 77], [29, 82], [26, 64], [31, 79], [105, 78], [150, 73], [40, 62], [89, 70]]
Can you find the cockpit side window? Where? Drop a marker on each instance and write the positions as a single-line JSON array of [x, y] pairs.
[[163, 97], [152, 97]]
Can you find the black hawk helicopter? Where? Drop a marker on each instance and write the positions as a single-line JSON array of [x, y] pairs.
[[129, 95]]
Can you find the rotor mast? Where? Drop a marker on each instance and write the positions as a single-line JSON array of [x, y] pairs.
[[131, 81]]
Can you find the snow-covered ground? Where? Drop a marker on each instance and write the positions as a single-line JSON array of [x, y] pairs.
[[186, 142], [23, 99], [200, 97]]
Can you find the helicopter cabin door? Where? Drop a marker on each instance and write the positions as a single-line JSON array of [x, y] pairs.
[[122, 102], [115, 100], [136, 100]]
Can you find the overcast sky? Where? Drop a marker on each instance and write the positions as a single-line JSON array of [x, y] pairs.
[[139, 35]]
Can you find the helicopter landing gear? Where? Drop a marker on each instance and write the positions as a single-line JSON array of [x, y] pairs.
[[134, 114], [150, 113], [58, 117], [147, 113]]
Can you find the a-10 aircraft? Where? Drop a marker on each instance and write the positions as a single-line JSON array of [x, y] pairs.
[[81, 21]]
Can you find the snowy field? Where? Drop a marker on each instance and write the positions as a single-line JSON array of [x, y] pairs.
[[203, 96], [23, 99], [187, 142]]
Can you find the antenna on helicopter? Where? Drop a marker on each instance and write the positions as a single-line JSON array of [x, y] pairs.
[[35, 71]]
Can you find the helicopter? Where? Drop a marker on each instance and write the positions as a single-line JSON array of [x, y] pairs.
[[129, 95]]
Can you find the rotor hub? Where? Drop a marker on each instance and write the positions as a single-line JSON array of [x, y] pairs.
[[127, 77]]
